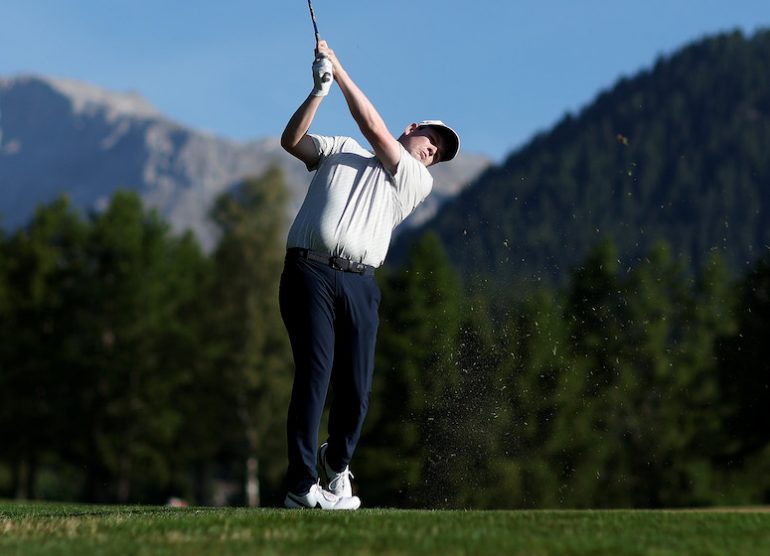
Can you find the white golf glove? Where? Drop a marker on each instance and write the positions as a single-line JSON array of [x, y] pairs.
[[322, 76]]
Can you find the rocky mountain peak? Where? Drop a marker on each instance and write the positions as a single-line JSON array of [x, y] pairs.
[[64, 136]]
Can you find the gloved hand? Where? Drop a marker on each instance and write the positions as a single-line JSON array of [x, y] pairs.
[[322, 76]]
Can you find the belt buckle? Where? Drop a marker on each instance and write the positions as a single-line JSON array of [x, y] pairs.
[[338, 263]]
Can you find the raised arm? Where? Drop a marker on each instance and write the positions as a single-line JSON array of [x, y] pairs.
[[294, 138], [372, 126]]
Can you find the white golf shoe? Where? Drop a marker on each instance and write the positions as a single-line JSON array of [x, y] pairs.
[[337, 483], [321, 499]]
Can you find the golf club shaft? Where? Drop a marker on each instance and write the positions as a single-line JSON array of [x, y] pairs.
[[326, 76], [315, 24]]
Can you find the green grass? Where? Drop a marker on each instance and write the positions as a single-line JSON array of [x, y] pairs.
[[44, 528]]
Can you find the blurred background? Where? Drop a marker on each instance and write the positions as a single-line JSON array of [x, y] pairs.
[[577, 317]]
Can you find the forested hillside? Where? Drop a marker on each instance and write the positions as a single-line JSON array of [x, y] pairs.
[[134, 368], [677, 153]]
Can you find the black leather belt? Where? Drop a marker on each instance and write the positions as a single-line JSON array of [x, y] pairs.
[[337, 263]]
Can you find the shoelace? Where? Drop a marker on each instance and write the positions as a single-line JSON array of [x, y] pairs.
[[330, 496], [344, 475]]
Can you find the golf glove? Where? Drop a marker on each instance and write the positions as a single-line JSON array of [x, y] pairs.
[[322, 76]]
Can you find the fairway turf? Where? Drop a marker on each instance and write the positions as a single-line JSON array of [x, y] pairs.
[[45, 528]]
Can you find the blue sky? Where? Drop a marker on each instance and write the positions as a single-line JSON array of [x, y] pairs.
[[497, 71]]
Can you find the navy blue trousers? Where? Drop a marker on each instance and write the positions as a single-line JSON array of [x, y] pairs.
[[331, 317]]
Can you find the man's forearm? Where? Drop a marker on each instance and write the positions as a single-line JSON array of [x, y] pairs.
[[361, 108], [299, 123], [369, 121]]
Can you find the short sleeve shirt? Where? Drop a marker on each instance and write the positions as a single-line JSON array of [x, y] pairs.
[[354, 203]]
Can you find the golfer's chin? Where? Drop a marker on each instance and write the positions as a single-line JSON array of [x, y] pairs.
[[422, 158]]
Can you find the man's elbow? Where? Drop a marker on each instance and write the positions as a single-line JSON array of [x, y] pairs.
[[288, 143], [302, 148]]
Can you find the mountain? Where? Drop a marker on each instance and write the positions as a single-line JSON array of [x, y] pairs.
[[63, 136], [677, 153]]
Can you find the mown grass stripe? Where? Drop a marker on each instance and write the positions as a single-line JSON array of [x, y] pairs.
[[52, 529]]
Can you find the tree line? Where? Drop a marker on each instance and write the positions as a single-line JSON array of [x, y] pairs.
[[629, 387], [675, 153], [135, 367]]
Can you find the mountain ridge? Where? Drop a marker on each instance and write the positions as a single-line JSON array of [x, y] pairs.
[[59, 135], [675, 153]]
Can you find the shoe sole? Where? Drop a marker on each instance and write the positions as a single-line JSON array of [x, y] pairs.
[[292, 504]]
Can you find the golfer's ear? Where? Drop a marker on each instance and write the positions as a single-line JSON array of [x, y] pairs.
[[410, 128]]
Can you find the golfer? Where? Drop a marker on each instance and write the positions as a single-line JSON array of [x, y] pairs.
[[329, 298]]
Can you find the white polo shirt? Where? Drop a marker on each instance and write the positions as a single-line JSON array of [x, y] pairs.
[[353, 202]]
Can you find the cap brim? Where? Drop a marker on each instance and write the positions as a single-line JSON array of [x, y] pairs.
[[450, 136]]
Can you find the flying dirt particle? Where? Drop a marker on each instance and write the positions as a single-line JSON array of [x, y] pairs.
[[622, 139]]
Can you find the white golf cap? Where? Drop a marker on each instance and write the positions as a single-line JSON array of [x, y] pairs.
[[451, 138]]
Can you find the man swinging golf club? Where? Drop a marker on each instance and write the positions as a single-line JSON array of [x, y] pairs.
[[329, 298]]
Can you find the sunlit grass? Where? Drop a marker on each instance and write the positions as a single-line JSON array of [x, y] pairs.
[[82, 529]]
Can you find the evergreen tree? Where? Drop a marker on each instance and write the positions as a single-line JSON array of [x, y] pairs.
[[406, 446], [744, 375], [535, 366], [131, 351], [198, 440], [253, 358], [643, 424], [481, 473], [675, 153], [657, 432], [696, 407], [38, 268], [588, 431]]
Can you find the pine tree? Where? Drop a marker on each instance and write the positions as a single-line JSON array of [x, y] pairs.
[[253, 360], [588, 429], [405, 448], [128, 360], [535, 370], [744, 378], [39, 263]]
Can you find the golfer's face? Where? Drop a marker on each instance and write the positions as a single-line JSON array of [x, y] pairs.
[[425, 144]]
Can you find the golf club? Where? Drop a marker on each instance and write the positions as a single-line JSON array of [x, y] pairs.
[[326, 76]]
